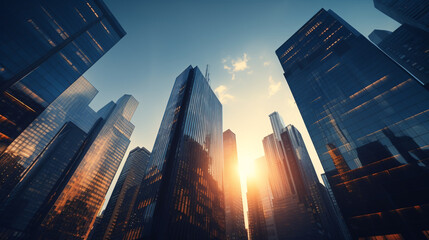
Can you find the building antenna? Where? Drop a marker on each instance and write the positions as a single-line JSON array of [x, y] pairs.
[[207, 74]]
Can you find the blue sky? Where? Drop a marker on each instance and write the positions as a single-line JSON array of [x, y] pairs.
[[236, 38]]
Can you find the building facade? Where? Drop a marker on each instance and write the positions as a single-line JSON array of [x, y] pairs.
[[277, 177], [70, 106], [74, 210], [407, 45], [234, 217], [255, 214], [119, 209], [266, 196], [368, 119], [45, 46], [411, 12], [83, 155], [181, 196], [28, 201]]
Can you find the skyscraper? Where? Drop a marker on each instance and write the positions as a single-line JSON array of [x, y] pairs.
[[302, 212], [46, 46], [70, 106], [75, 209], [368, 120], [119, 209], [274, 157], [234, 216], [411, 12], [181, 196], [308, 190], [49, 193], [266, 196], [26, 203], [407, 45], [257, 224]]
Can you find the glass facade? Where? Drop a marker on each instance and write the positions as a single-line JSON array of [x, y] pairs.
[[298, 197], [75, 209], [71, 105], [266, 197], [407, 45], [277, 177], [368, 119], [28, 201], [118, 211], [181, 196], [45, 46], [255, 214], [414, 13], [234, 216]]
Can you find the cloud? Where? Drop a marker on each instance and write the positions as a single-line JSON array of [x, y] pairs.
[[222, 94], [267, 63], [274, 87], [250, 72], [237, 65], [240, 64]]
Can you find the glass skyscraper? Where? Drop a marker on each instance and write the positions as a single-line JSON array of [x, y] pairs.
[[407, 45], [181, 196], [277, 177], [75, 208], [71, 105], [368, 119], [304, 210], [44, 47], [255, 214], [411, 12], [119, 209], [27, 202], [69, 148], [234, 216], [266, 196]]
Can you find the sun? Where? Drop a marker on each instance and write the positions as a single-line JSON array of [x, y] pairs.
[[247, 169]]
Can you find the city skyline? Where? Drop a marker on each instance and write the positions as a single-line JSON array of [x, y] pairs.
[[220, 120], [150, 69]]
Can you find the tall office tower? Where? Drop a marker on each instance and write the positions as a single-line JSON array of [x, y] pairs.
[[302, 213], [407, 45], [277, 124], [368, 120], [45, 46], [55, 172], [266, 197], [26, 202], [234, 217], [181, 196], [118, 211], [71, 105], [277, 177], [255, 215], [411, 12], [307, 187], [76, 206]]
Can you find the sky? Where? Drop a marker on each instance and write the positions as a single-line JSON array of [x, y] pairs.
[[237, 39]]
